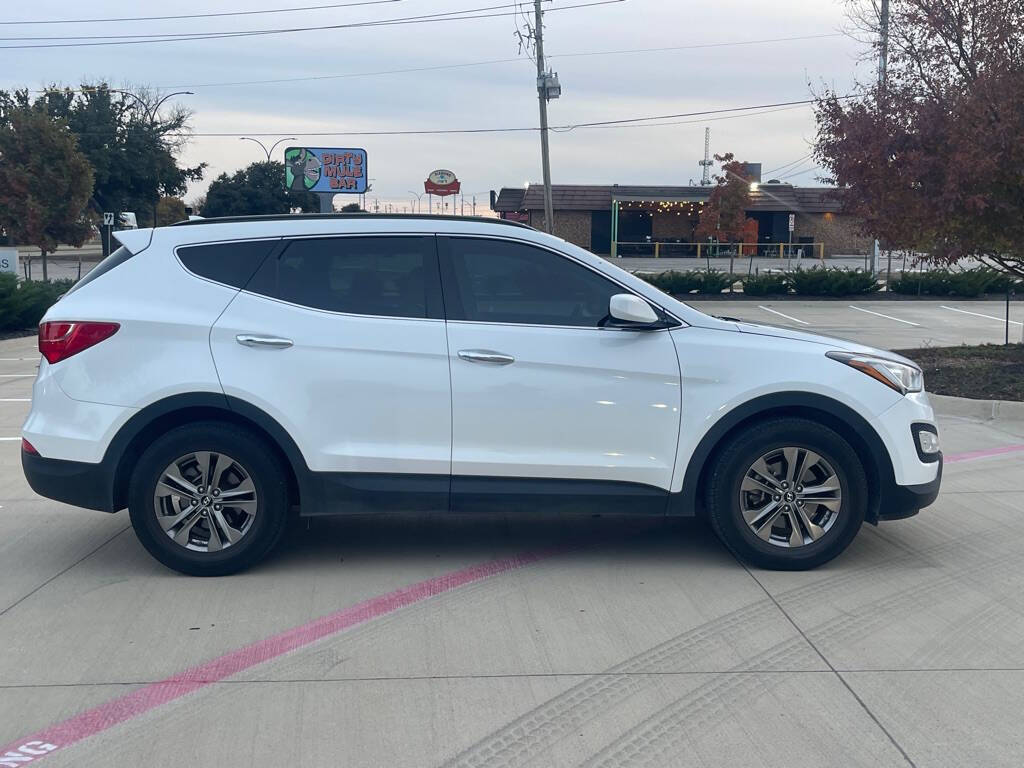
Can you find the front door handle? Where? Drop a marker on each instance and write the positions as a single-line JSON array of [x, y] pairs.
[[485, 356], [270, 342]]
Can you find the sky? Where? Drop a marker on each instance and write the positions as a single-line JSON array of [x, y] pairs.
[[345, 99]]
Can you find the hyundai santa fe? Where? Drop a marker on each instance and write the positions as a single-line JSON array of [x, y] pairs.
[[214, 375]]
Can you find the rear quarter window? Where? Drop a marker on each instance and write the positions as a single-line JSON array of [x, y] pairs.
[[230, 263], [115, 259]]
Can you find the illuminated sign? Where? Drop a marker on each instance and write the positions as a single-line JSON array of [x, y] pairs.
[[322, 169]]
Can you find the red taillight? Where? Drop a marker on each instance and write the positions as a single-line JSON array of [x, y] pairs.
[[27, 447], [59, 340]]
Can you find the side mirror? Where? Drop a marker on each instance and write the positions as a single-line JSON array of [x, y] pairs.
[[627, 308]]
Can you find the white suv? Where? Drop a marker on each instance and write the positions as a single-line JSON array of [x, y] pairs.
[[212, 375]]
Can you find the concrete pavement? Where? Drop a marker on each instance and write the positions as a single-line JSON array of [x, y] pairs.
[[614, 642]]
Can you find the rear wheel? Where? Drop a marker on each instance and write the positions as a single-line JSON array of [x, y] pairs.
[[208, 499], [787, 494]]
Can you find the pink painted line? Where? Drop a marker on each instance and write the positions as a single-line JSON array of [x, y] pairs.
[[106, 716], [983, 454]]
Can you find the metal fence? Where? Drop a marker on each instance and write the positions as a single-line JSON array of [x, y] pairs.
[[718, 250]]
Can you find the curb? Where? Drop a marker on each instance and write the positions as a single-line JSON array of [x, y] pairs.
[[984, 410]]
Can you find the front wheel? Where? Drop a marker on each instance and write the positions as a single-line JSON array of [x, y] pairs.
[[787, 494], [208, 499]]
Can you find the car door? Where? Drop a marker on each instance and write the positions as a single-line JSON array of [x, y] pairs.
[[547, 399], [341, 340]]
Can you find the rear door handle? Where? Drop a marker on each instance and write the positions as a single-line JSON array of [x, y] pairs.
[[270, 342], [485, 356]]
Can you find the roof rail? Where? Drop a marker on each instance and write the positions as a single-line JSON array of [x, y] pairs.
[[364, 215]]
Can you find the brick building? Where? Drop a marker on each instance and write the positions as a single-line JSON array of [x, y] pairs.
[[666, 217]]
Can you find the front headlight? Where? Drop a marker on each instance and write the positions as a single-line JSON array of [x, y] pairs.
[[899, 376]]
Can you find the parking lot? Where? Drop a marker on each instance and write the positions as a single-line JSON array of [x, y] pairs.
[[519, 641], [887, 324]]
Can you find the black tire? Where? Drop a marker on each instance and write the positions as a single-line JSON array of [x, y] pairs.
[[739, 454], [259, 461]]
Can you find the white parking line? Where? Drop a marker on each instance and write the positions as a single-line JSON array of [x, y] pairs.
[[978, 314], [795, 320], [10, 438], [16, 359], [15, 399], [887, 317], [16, 375]]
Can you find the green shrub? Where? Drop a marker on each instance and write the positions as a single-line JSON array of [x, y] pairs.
[[674, 282], [1001, 282], [767, 284], [714, 282], [832, 281], [972, 282], [690, 281], [23, 303]]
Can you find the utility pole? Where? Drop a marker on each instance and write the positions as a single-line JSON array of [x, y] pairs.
[[883, 52], [883, 77], [542, 96]]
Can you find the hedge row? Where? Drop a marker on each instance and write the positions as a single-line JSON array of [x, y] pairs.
[[953, 282], [691, 281], [23, 303], [831, 281]]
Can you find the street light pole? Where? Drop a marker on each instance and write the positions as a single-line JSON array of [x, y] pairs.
[[418, 195], [268, 152], [151, 113], [542, 96], [152, 126]]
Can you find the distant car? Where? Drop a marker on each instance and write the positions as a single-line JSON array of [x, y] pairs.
[[212, 375]]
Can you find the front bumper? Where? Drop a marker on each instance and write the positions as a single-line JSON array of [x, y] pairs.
[[71, 482], [902, 501]]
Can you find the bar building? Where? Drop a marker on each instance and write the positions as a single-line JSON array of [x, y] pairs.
[[662, 220]]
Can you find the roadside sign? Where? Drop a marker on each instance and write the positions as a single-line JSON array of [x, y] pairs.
[[792, 222], [325, 169], [441, 183], [9, 260], [108, 219]]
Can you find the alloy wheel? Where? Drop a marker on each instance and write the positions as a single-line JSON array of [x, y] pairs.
[[205, 501], [790, 497]]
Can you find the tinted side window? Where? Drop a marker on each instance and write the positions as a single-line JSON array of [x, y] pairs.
[[499, 281], [231, 263], [387, 276]]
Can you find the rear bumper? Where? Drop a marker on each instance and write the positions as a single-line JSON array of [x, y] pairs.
[[71, 482], [907, 500]]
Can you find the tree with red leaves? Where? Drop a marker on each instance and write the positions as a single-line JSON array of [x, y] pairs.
[[45, 182], [724, 216], [933, 160]]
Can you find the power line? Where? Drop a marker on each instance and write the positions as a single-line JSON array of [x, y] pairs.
[[200, 15], [272, 30], [688, 122], [694, 114], [800, 173], [787, 165], [486, 62], [187, 36], [631, 122], [705, 45]]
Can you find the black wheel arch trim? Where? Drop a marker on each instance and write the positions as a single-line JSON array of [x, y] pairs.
[[118, 459], [867, 443]]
